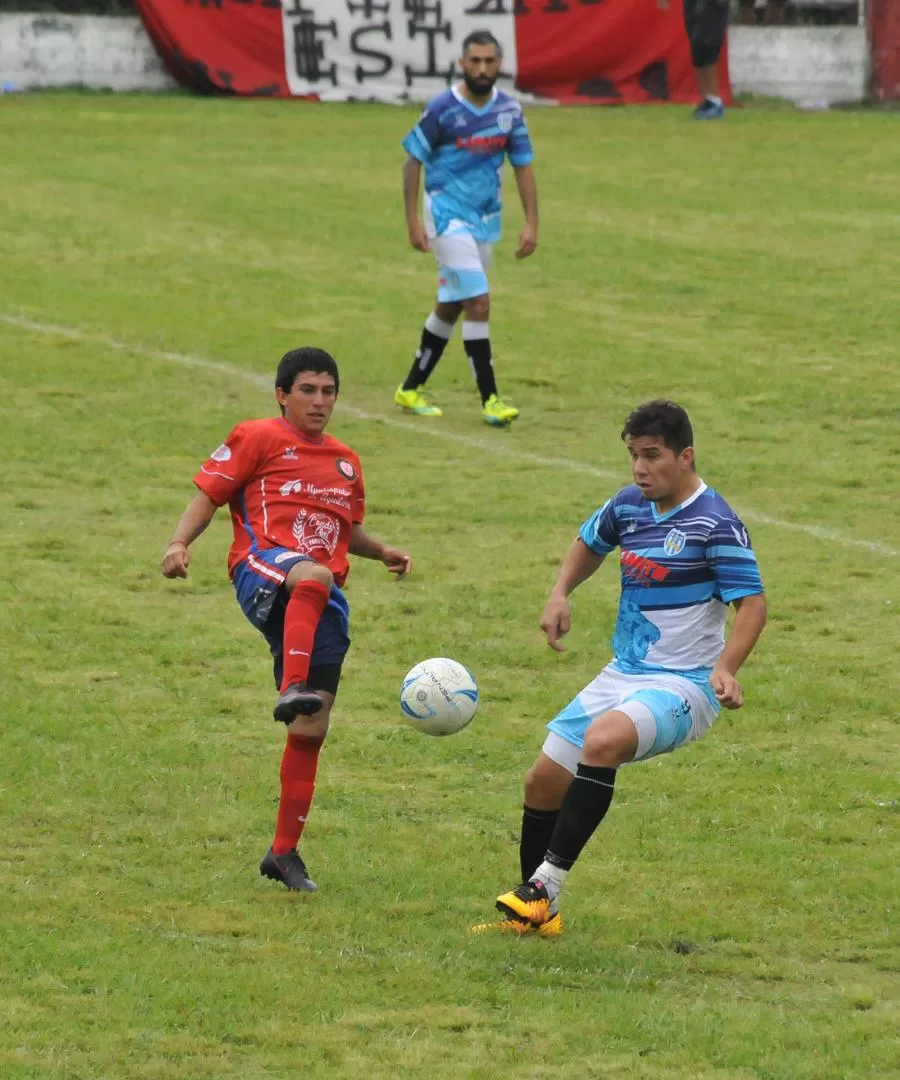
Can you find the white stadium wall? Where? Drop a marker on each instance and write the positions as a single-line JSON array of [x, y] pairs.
[[811, 64], [80, 50]]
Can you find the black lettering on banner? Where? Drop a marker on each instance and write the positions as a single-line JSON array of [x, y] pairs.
[[309, 46], [488, 7], [427, 19], [368, 8], [383, 58]]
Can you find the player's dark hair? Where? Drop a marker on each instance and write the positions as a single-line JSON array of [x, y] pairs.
[[305, 359], [481, 37], [663, 420]]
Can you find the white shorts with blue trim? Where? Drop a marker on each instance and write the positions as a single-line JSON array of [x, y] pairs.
[[462, 266], [667, 711]]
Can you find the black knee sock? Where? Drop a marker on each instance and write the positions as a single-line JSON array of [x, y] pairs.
[[429, 352], [583, 808], [478, 350], [537, 828]]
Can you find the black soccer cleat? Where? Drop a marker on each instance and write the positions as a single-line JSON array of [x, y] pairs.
[[296, 700], [289, 869]]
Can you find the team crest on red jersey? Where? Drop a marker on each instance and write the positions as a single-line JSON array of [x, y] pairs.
[[316, 532], [345, 468]]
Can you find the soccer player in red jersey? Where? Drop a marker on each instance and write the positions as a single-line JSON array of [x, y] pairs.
[[297, 503]]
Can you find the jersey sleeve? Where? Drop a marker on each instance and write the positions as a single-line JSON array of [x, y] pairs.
[[519, 147], [731, 556], [601, 530], [230, 466], [422, 141]]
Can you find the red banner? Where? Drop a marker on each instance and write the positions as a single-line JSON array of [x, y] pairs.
[[216, 47], [568, 51], [607, 52]]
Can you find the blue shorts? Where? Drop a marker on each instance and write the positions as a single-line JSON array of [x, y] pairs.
[[259, 586]]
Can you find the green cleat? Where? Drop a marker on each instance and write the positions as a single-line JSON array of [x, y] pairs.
[[497, 413], [414, 401]]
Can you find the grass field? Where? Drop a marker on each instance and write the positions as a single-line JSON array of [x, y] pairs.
[[735, 919]]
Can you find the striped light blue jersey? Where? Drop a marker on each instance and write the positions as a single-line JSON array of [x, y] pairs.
[[463, 148], [680, 570]]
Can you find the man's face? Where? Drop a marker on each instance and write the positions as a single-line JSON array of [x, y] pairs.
[[480, 67], [658, 471], [310, 402]]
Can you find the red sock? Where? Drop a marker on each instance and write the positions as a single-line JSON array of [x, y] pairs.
[[301, 619], [298, 782]]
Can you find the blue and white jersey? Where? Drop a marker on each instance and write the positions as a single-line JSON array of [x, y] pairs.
[[680, 570], [463, 148]]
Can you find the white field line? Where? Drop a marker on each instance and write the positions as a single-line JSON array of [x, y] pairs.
[[492, 447]]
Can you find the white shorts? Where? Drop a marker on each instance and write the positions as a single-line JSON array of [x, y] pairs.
[[462, 266], [667, 711]]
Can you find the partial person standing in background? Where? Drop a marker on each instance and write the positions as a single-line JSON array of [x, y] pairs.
[[706, 22]]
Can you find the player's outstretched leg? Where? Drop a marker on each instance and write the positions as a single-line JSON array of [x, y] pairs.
[[309, 585]]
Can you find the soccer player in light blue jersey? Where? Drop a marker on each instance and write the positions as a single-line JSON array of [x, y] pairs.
[[684, 557], [462, 139]]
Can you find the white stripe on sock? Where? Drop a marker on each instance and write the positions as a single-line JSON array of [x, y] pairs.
[[437, 326], [475, 331]]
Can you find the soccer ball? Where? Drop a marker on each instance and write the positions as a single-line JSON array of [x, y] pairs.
[[439, 696]]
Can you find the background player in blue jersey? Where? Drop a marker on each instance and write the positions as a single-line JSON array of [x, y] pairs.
[[462, 139], [685, 556]]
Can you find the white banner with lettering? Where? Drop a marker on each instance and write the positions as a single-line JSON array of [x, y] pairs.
[[387, 50]]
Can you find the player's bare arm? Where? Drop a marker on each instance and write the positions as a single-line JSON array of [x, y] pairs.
[[412, 173], [527, 185], [579, 564], [365, 546], [197, 515], [749, 620]]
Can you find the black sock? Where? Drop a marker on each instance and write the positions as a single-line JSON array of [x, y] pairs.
[[583, 808], [537, 828], [429, 352], [478, 351]]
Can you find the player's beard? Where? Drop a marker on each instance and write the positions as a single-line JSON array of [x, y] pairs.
[[480, 86]]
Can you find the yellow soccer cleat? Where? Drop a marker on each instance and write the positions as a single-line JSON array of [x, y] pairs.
[[497, 413], [553, 927], [529, 903], [414, 401]]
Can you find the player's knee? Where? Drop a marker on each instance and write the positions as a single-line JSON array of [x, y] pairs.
[[478, 308], [309, 571], [611, 740], [546, 785], [534, 787]]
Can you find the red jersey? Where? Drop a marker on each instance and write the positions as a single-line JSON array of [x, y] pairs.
[[286, 489]]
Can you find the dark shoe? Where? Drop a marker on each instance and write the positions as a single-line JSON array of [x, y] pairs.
[[529, 904], [709, 110], [289, 869], [296, 700]]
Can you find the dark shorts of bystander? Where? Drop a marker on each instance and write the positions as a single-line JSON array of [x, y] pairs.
[[263, 599], [706, 22]]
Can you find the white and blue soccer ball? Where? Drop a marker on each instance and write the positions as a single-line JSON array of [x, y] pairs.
[[439, 696]]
